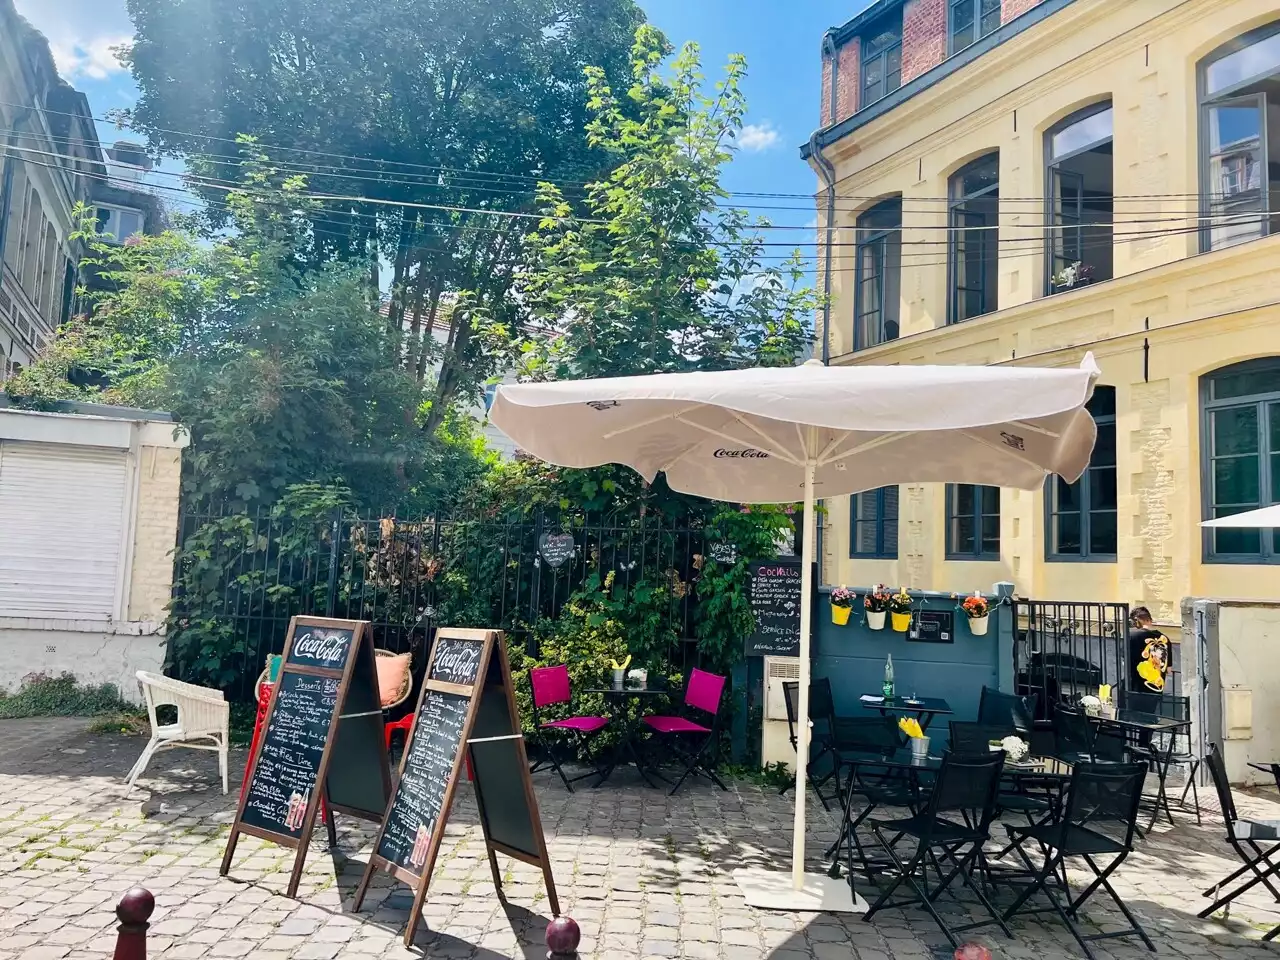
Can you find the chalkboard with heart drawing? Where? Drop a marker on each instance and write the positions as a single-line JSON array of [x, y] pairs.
[[556, 548]]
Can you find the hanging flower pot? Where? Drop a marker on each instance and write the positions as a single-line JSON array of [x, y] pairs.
[[875, 619], [978, 626], [901, 621], [841, 605], [840, 615], [977, 610], [900, 610]]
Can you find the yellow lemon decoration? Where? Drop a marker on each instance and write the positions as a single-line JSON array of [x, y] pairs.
[[621, 666]]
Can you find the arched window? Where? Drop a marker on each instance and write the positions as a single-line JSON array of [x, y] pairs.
[[974, 219], [1081, 517], [878, 276], [1240, 451], [1080, 199], [1239, 87]]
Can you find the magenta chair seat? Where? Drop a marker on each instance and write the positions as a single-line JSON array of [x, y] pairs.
[[581, 724], [675, 725]]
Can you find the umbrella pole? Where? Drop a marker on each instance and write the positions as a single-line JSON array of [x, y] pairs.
[[802, 721]]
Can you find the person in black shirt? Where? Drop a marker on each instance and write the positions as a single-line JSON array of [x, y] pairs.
[[1148, 653]]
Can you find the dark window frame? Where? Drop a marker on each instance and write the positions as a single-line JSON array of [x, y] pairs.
[[890, 25], [1051, 160], [978, 31], [1205, 102], [882, 551], [1085, 554], [977, 552], [955, 206], [1269, 554], [877, 238]]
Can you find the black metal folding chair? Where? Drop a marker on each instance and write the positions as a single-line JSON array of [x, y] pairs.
[[1166, 750], [1099, 796], [1073, 736], [1007, 710], [878, 787], [822, 710], [975, 738], [1243, 835], [966, 788]]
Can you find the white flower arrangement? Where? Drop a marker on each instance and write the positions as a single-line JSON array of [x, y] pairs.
[[638, 675], [1014, 748], [1090, 702]]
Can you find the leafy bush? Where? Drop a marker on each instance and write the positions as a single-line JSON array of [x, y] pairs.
[[62, 696]]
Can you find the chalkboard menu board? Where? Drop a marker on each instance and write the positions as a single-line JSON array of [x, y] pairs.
[[288, 767], [467, 704], [428, 767], [323, 738], [775, 603]]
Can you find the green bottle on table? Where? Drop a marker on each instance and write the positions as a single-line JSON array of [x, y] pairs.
[[888, 678]]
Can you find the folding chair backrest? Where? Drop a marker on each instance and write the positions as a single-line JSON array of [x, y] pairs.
[[822, 706], [704, 690], [791, 697], [1218, 770], [870, 733], [1071, 732], [1102, 793], [974, 738], [1142, 702], [968, 783], [550, 685], [1005, 709]]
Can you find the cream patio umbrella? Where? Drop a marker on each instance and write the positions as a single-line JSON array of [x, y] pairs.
[[782, 434], [1259, 519]]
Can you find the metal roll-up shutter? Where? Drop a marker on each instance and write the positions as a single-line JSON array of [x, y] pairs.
[[61, 526]]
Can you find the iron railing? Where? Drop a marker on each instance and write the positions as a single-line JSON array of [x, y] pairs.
[[1063, 650], [406, 576]]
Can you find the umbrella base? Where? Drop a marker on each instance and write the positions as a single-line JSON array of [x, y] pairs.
[[772, 890]]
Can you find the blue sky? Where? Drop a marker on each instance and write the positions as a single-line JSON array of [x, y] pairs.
[[780, 40]]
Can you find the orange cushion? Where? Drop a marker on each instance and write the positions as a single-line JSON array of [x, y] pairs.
[[392, 677]]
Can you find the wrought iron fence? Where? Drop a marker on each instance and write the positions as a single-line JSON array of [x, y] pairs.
[[1063, 650], [406, 576]]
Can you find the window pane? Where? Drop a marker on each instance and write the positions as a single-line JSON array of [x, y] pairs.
[[1253, 61], [991, 535], [1224, 386], [1102, 488], [866, 538], [1067, 533], [990, 16], [963, 528], [1102, 403], [893, 69], [1102, 533], [976, 176], [891, 538], [1226, 540], [962, 38], [963, 504], [1235, 175], [990, 500], [1235, 430], [1066, 496], [891, 503], [1091, 129], [1235, 481]]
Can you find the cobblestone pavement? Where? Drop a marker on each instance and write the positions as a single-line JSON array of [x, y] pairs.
[[645, 875]]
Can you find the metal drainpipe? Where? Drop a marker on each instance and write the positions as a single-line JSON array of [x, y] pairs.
[[828, 173], [7, 201]]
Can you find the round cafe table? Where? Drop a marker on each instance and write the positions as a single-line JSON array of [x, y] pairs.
[[631, 700]]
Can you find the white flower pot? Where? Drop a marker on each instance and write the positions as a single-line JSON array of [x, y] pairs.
[[875, 619], [978, 625]]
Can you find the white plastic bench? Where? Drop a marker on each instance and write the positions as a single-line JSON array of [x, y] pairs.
[[204, 719]]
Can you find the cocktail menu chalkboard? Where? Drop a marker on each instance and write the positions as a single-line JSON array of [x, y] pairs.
[[327, 693], [775, 602], [466, 710]]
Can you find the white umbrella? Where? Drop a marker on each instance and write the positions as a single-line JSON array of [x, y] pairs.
[[1252, 520], [776, 435]]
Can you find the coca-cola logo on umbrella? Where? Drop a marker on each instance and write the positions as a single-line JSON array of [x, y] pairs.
[[747, 453]]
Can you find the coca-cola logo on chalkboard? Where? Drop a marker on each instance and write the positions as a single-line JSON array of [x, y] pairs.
[[323, 646]]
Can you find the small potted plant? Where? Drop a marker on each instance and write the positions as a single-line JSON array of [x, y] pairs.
[[876, 603], [1091, 705], [841, 605], [900, 610], [977, 610], [1077, 275]]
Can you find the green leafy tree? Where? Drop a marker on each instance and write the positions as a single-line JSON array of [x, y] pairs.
[[649, 272]]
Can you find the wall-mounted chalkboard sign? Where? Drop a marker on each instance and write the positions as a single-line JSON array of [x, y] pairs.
[[933, 626], [323, 735], [775, 602], [556, 548], [453, 720], [724, 552]]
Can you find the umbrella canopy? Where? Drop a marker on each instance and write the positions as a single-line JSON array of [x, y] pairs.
[[1253, 519], [778, 435], [741, 435]]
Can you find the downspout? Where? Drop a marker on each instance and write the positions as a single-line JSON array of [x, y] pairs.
[[6, 191]]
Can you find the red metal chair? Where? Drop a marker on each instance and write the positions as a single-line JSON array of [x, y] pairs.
[[686, 739], [551, 687]]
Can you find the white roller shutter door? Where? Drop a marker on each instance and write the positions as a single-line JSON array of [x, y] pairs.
[[61, 529]]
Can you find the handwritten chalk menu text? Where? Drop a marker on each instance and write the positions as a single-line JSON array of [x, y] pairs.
[[419, 800], [289, 764], [775, 602], [324, 647], [456, 660]]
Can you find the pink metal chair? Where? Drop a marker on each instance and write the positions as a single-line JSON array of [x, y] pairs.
[[551, 687], [687, 740]]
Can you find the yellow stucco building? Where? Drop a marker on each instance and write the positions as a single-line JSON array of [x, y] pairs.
[[1022, 182]]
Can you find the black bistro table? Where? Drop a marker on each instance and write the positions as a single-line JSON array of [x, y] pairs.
[[631, 700], [924, 709], [1144, 727]]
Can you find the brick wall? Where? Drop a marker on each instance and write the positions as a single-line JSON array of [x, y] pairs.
[[924, 36], [824, 108], [848, 79], [155, 534], [1014, 8]]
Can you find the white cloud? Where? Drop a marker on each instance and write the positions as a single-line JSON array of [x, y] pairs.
[[94, 59], [81, 34], [758, 136]]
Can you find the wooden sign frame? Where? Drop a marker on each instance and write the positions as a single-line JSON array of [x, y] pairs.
[[361, 647], [494, 652]]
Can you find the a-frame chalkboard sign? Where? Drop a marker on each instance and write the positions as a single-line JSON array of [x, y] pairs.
[[467, 700], [323, 732]]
